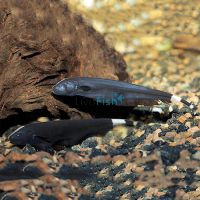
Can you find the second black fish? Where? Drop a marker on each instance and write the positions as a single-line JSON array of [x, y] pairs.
[[64, 132]]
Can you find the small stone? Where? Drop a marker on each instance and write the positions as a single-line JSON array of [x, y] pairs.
[[9, 185], [43, 119], [65, 190], [170, 135], [196, 156], [155, 14], [170, 155], [195, 13], [139, 133], [139, 169], [173, 168], [118, 163], [198, 140], [191, 141], [38, 182], [128, 182], [25, 190], [166, 45], [120, 131], [188, 124], [186, 61], [156, 136], [47, 160], [198, 172], [182, 119], [28, 149], [109, 188], [187, 134], [150, 40], [193, 129], [117, 177], [2, 158], [159, 194], [196, 134], [149, 147], [103, 173], [33, 189], [188, 115], [140, 187], [182, 128], [99, 193], [129, 167], [125, 196]]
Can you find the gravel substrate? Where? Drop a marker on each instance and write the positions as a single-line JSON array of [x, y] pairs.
[[152, 160]]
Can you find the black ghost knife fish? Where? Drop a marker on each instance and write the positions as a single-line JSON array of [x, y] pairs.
[[112, 92], [63, 132]]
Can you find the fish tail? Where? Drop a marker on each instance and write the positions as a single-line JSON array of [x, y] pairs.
[[175, 99], [122, 122]]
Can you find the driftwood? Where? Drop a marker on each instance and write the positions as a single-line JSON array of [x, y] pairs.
[[42, 42]]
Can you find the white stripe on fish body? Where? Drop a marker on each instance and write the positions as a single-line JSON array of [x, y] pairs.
[[118, 122]]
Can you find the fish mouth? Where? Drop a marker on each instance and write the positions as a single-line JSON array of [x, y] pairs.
[[64, 88], [58, 90]]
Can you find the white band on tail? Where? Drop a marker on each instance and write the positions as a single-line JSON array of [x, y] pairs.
[[175, 98], [118, 122], [192, 106]]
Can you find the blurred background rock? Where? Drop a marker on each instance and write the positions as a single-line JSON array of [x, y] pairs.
[[146, 33]]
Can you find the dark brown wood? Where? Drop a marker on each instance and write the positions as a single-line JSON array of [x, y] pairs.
[[42, 42]]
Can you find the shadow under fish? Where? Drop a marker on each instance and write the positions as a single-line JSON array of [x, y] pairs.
[[19, 170], [76, 173], [88, 105]]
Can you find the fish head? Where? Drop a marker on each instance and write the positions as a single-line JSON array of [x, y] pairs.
[[82, 87], [20, 136], [65, 88]]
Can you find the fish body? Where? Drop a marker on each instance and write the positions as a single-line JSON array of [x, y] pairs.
[[62, 132], [112, 92]]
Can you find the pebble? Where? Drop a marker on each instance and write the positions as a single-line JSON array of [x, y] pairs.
[[173, 168], [198, 172], [139, 133], [170, 135], [103, 173], [182, 128], [38, 182], [196, 134], [25, 190], [196, 155], [188, 124], [170, 155], [166, 45], [43, 119], [182, 119], [193, 129]]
